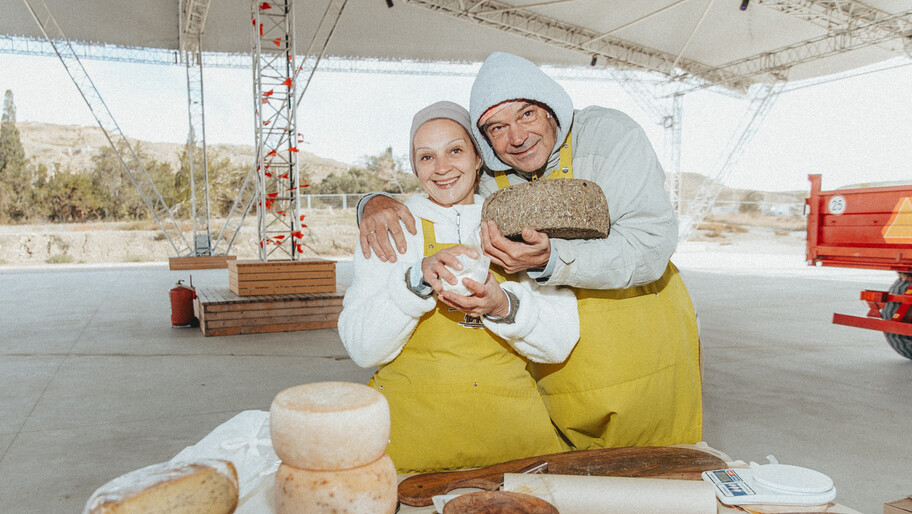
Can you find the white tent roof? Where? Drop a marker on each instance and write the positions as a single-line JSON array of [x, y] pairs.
[[705, 41]]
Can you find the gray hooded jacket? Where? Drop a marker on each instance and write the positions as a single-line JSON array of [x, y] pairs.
[[610, 149]]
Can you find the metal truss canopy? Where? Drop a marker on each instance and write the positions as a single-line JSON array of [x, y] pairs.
[[693, 42], [848, 26]]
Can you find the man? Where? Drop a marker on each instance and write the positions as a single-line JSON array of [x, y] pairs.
[[633, 379]]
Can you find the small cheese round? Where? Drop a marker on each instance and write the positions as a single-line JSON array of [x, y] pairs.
[[370, 488], [206, 486], [329, 425]]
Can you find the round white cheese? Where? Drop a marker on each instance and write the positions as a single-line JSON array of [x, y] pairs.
[[370, 488], [329, 425]]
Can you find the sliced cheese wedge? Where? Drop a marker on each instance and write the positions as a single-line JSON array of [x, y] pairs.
[[207, 486]]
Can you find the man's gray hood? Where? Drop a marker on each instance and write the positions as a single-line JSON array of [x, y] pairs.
[[505, 77]]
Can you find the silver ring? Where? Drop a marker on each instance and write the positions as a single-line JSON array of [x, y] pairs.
[[371, 232]]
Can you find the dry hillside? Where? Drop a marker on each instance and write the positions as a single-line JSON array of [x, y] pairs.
[[72, 146]]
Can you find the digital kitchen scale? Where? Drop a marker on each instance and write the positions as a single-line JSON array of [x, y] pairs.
[[774, 483]]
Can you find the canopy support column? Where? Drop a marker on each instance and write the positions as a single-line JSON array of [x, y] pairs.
[[193, 18], [278, 201], [763, 96], [672, 124]]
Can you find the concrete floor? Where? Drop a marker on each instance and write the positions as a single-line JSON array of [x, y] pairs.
[[94, 382]]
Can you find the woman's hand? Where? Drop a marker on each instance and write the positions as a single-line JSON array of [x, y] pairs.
[[379, 222], [488, 298], [434, 268], [532, 252]]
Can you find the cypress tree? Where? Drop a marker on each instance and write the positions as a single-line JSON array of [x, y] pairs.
[[14, 176]]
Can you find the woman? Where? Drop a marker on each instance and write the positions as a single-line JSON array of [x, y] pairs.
[[453, 368]]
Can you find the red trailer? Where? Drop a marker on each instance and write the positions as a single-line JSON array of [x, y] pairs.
[[868, 228]]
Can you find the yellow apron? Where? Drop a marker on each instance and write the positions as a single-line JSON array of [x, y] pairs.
[[459, 396], [633, 378]]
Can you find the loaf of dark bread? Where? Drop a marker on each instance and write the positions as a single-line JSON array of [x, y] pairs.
[[563, 209]]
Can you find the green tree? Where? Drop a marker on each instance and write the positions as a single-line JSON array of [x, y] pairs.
[[16, 202], [110, 183], [225, 180], [381, 172], [120, 198], [392, 171], [750, 202], [73, 197], [355, 180]]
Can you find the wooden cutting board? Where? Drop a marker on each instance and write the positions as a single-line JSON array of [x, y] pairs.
[[652, 462]]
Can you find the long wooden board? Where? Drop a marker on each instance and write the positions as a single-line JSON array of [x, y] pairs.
[[652, 461], [200, 262], [222, 312]]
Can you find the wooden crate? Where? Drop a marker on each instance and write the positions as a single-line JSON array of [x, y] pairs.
[[221, 312], [247, 278], [200, 262]]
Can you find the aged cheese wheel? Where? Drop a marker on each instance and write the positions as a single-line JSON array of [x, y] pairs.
[[207, 486], [369, 488], [564, 209], [329, 425]]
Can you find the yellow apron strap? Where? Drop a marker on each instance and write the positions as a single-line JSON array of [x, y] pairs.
[[501, 178], [564, 169]]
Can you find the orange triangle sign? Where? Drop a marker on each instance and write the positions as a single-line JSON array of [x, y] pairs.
[[899, 228]]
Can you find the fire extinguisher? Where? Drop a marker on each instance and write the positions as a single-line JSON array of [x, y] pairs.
[[182, 297]]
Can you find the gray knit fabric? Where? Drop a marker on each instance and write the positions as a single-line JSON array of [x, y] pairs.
[[445, 110], [505, 77]]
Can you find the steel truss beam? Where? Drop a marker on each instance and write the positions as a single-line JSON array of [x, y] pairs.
[[282, 104], [31, 46], [278, 189], [842, 14], [610, 50], [672, 142], [132, 166], [193, 18], [763, 96], [839, 40], [736, 75], [193, 15]]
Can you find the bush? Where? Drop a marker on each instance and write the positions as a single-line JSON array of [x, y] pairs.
[[60, 258]]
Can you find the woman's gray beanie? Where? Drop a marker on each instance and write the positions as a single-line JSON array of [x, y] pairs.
[[446, 110], [505, 77]]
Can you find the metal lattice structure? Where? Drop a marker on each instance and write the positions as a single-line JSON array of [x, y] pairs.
[[257, 179], [278, 205], [606, 48], [763, 96], [134, 169], [672, 125], [193, 19]]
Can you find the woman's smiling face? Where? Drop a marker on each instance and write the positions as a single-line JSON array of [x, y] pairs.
[[446, 162]]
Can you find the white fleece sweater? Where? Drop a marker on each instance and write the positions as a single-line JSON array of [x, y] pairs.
[[380, 312]]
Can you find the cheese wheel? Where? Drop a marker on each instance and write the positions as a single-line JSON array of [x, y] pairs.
[[369, 488], [207, 486], [329, 425]]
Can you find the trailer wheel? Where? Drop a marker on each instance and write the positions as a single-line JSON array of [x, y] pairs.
[[902, 344]]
